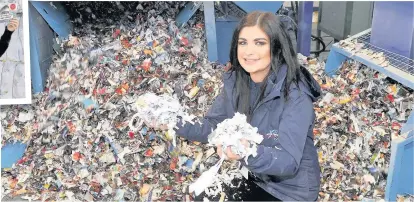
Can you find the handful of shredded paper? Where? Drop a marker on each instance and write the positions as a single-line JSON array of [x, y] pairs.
[[228, 133]]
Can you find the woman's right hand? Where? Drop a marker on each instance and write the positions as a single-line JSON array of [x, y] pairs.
[[13, 24]]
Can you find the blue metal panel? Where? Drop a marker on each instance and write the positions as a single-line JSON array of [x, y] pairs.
[[11, 153], [225, 31], [211, 32], [334, 62], [269, 6], [409, 126], [305, 11], [45, 16], [400, 175], [56, 16], [187, 12], [406, 174], [393, 27], [38, 64]]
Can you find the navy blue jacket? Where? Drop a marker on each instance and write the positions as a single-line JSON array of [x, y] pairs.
[[287, 161]]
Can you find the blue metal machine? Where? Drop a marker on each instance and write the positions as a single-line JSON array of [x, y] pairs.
[[219, 30], [393, 27], [44, 16], [392, 34]]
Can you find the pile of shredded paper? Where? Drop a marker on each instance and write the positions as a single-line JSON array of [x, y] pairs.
[[84, 143], [160, 110], [360, 113]]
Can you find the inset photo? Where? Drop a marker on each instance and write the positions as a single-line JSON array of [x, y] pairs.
[[14, 67]]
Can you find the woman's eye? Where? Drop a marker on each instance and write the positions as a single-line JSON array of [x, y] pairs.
[[260, 43], [242, 43]]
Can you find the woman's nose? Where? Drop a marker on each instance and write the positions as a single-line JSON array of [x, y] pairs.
[[248, 50]]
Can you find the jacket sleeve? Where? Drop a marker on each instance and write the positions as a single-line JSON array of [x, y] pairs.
[[214, 116], [296, 120], [4, 41]]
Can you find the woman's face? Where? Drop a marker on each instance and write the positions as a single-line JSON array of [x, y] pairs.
[[253, 52]]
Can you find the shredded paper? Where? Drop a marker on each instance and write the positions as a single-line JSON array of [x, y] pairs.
[[126, 63]]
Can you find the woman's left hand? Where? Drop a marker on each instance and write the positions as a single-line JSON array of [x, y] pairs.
[[229, 154]]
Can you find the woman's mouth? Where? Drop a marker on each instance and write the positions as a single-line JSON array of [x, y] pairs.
[[250, 61]]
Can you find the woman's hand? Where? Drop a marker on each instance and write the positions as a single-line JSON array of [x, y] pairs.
[[13, 24], [229, 154]]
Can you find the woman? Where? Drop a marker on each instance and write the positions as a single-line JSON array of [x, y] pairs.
[[267, 84], [5, 38]]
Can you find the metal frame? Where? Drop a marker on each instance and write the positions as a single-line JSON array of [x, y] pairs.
[[337, 56], [305, 11]]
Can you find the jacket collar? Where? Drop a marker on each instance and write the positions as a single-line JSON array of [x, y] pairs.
[[275, 85]]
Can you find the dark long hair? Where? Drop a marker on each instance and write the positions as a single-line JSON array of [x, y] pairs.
[[281, 51]]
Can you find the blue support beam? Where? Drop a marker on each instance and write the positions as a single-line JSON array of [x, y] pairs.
[[305, 11], [211, 32]]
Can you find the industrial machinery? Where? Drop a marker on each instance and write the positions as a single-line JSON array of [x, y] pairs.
[[391, 37], [341, 19]]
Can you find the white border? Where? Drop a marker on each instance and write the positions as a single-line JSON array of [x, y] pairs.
[[27, 76]]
